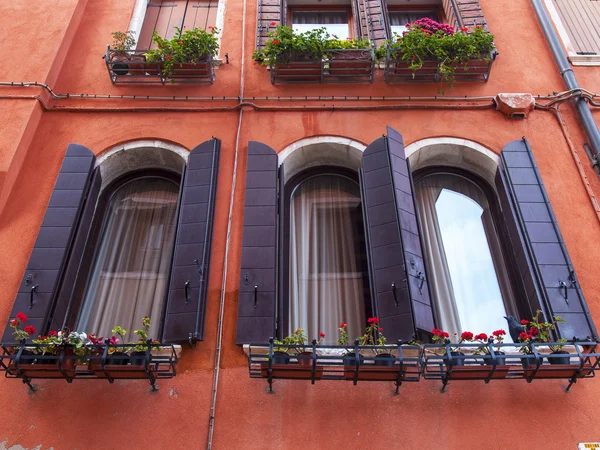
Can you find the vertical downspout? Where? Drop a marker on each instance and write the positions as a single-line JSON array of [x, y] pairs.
[[590, 126], [219, 345]]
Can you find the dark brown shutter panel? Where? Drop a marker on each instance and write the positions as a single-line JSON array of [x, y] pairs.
[[76, 266], [50, 253], [186, 304], [542, 258], [256, 309], [397, 270], [371, 20], [464, 14], [269, 11]]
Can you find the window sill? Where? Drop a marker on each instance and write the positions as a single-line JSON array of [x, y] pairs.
[[584, 60]]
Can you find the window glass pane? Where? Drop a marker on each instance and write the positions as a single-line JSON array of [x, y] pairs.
[[336, 22], [467, 275], [399, 19], [327, 257], [476, 290], [129, 277]]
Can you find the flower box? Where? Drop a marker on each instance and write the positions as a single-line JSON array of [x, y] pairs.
[[132, 68], [291, 371], [398, 70], [340, 65]]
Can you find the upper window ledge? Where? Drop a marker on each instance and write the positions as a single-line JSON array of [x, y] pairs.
[[584, 60]]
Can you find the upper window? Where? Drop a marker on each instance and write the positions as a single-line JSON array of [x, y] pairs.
[[132, 259], [467, 274], [328, 281], [163, 16], [335, 21], [400, 17]]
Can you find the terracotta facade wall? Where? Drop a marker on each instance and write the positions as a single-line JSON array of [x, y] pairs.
[[62, 42]]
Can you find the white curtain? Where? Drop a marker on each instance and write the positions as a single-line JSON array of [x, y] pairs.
[[326, 282], [129, 277], [468, 278]]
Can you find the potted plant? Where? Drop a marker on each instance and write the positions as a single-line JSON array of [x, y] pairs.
[[456, 356], [21, 336], [436, 49], [122, 61], [374, 336], [294, 55], [536, 331], [118, 358], [188, 54], [144, 345], [496, 338]]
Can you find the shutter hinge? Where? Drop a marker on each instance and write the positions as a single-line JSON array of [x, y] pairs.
[[193, 339]]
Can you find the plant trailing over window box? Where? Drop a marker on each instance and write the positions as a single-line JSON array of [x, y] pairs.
[[315, 56], [430, 50], [189, 53]]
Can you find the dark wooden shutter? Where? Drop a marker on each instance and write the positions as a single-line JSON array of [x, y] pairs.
[[188, 283], [542, 258], [397, 271], [464, 14], [77, 266], [371, 20], [269, 11], [50, 254], [256, 309]]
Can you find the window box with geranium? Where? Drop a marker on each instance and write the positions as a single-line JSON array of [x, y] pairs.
[[186, 58], [73, 355], [315, 57], [430, 51]]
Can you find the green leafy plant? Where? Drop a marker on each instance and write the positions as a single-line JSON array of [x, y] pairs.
[[344, 339], [18, 333], [123, 41], [142, 344], [427, 40], [285, 45], [187, 46], [497, 339], [536, 331], [373, 334]]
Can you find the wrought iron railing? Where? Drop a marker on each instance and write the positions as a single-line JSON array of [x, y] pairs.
[[131, 67], [445, 362], [534, 361], [94, 362], [396, 363], [398, 70], [340, 66]]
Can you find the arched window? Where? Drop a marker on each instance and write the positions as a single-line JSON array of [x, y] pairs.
[[132, 257], [327, 266], [467, 274]]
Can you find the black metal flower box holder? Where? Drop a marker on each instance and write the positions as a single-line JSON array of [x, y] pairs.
[[109, 362]]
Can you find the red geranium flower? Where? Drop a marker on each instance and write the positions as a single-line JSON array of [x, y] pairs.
[[275, 41], [29, 329], [53, 333], [380, 329], [321, 335], [343, 325], [499, 333], [524, 336], [534, 331], [168, 57], [15, 323], [273, 24], [481, 337], [445, 334], [524, 322], [180, 43], [464, 30], [22, 317], [373, 320], [466, 336]]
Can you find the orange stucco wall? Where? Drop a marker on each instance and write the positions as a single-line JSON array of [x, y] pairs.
[[95, 415]]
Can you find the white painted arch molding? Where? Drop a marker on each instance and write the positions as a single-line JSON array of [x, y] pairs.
[[454, 152], [137, 155]]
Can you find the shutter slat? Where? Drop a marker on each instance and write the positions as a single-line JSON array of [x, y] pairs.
[[542, 258], [395, 254], [256, 320], [268, 11], [580, 19], [48, 260], [372, 21], [191, 259]]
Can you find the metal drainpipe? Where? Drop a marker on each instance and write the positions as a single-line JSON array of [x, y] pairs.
[[590, 126]]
